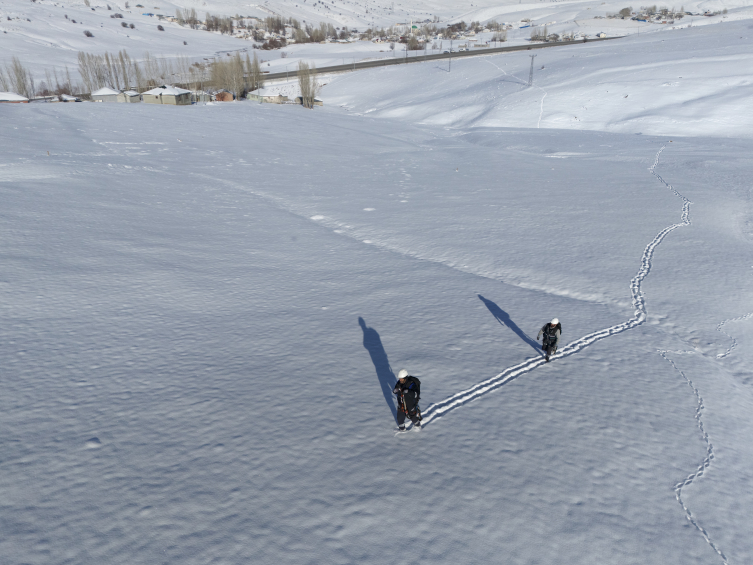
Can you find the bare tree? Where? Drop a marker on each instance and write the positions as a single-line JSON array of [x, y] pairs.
[[139, 76], [19, 79], [254, 72], [121, 72], [236, 74], [4, 81], [229, 75], [500, 36], [307, 83]]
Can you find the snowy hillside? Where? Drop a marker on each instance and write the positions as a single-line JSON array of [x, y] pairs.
[[204, 309], [689, 82], [46, 35]]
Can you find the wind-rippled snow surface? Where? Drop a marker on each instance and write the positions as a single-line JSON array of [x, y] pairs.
[[203, 310]]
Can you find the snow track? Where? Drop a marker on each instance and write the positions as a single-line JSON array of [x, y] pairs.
[[705, 464], [525, 84], [441, 408], [734, 341]]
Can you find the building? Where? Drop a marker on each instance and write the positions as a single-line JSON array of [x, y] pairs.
[[317, 101], [201, 96], [11, 98], [267, 98], [223, 96], [167, 95], [129, 97], [105, 95]]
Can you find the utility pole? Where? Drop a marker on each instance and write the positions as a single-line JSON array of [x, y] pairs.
[[530, 73]]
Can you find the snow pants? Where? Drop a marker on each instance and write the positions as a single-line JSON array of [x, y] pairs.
[[402, 415]]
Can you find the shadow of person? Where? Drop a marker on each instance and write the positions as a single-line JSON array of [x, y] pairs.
[[504, 319], [387, 380]]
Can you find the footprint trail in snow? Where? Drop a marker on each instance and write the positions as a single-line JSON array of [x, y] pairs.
[[439, 409], [705, 464], [734, 341]]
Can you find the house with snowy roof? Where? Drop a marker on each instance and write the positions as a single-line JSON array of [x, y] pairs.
[[129, 96], [12, 98], [167, 95], [105, 95]]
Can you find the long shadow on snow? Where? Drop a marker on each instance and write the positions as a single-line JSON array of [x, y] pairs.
[[504, 319], [387, 379]]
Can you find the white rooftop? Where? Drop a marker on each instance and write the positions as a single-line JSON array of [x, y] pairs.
[[172, 90], [11, 97], [104, 92]]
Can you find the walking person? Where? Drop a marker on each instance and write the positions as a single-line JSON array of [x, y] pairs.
[[551, 332], [408, 391]]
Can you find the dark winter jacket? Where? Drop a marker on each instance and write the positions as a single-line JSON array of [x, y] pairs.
[[551, 334], [410, 391]]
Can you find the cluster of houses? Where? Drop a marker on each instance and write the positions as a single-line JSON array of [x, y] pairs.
[[171, 95], [161, 95]]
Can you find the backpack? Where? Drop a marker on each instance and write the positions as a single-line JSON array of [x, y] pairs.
[[414, 391], [413, 384], [549, 332]]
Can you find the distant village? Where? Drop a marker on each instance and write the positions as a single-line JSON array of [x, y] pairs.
[[120, 79]]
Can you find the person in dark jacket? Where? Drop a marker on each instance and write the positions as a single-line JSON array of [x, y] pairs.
[[551, 332], [408, 391]]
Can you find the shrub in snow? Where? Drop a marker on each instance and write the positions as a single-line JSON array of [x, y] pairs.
[[87, 33], [123, 24], [132, 26], [117, 16], [160, 28]]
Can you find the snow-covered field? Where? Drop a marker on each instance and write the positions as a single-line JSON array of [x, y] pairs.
[[690, 82], [204, 308]]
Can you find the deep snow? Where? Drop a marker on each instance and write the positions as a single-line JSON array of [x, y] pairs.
[[204, 309]]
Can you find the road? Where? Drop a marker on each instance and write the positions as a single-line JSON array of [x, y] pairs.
[[421, 58]]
